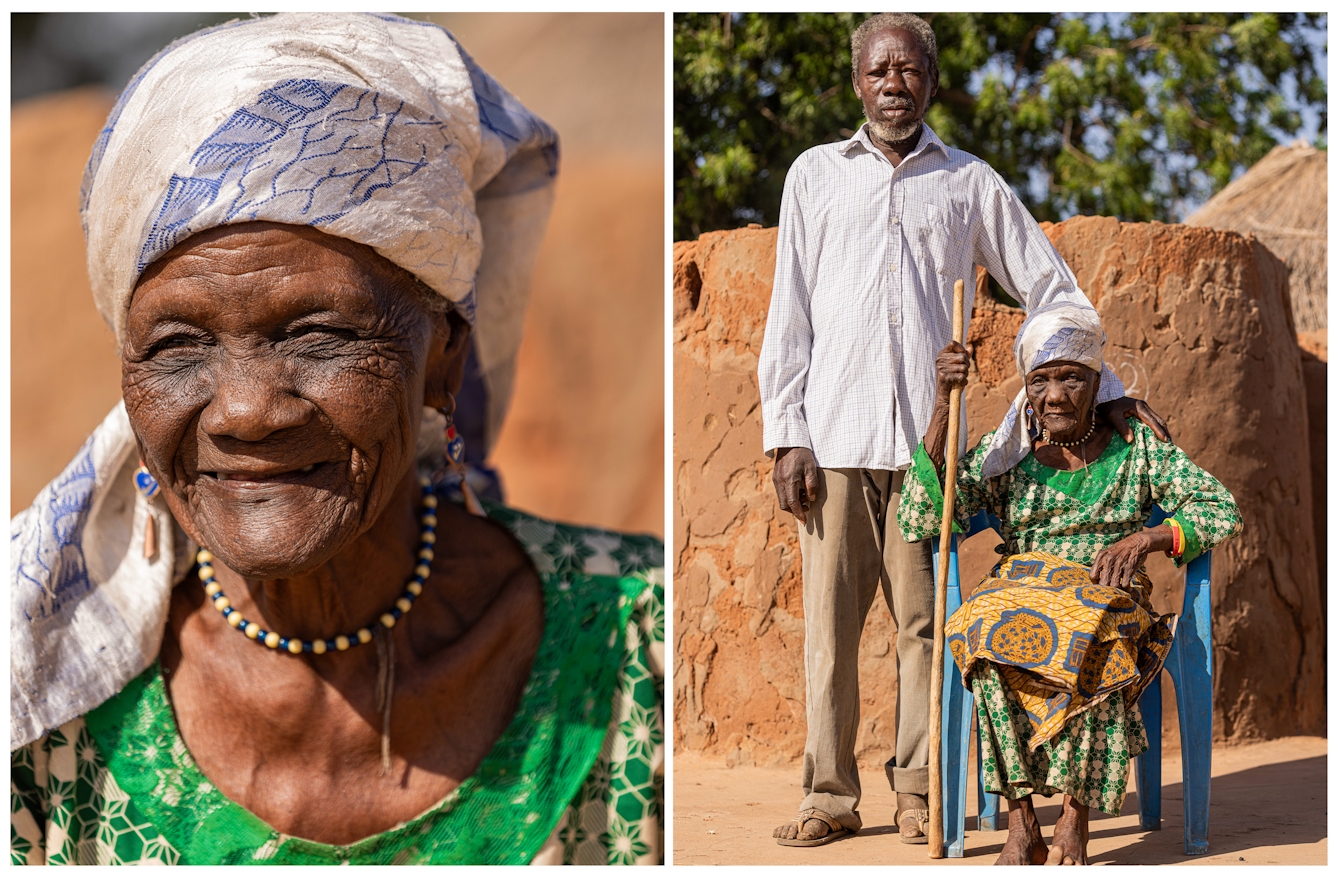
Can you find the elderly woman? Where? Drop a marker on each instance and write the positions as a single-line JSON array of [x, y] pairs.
[[1060, 640], [250, 622]]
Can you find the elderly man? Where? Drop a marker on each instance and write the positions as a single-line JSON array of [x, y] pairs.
[[873, 233]]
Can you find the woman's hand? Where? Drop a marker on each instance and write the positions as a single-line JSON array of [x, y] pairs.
[[1116, 564], [951, 367]]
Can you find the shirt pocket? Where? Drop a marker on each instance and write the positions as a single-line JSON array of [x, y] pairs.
[[943, 238]]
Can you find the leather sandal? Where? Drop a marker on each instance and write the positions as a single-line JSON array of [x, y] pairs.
[[914, 825], [834, 825]]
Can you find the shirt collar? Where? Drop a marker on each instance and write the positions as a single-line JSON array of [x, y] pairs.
[[927, 140]]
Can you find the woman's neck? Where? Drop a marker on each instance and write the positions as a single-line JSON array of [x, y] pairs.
[[1076, 456]]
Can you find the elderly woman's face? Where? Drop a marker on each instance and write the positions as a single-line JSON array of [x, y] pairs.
[[275, 377], [1062, 395]]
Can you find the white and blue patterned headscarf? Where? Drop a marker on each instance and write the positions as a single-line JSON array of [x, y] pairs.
[[1059, 332], [368, 127]]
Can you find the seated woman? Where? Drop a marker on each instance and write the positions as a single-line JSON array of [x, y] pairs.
[[249, 623], [1060, 640]]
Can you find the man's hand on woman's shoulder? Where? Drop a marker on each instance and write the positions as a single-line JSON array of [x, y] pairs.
[[1117, 412]]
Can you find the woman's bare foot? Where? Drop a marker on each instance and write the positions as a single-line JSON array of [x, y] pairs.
[[1069, 845], [1025, 845]]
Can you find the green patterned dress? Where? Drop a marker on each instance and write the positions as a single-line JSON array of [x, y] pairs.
[[576, 777], [1068, 515]]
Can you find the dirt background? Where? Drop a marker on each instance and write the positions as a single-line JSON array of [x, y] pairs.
[[1199, 324], [584, 441], [1268, 807]]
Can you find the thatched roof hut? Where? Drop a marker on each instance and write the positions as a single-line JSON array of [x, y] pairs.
[[1284, 201]]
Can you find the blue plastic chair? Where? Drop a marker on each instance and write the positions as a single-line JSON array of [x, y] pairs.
[[1190, 664]]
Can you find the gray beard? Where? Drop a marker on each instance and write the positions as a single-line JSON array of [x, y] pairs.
[[887, 132]]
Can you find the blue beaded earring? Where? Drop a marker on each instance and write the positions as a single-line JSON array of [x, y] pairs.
[[455, 458], [147, 486]]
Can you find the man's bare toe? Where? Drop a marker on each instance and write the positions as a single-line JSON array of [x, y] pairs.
[[813, 829], [785, 830]]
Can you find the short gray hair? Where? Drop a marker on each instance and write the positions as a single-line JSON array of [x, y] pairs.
[[918, 27]]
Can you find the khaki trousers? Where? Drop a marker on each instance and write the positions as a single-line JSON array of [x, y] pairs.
[[850, 547]]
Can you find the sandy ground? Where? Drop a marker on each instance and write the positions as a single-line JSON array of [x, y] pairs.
[[1269, 806]]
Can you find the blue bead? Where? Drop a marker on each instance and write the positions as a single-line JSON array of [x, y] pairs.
[[261, 635], [397, 613], [283, 643], [145, 483], [307, 646], [330, 646], [228, 611]]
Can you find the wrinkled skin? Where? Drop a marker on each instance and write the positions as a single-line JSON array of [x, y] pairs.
[[795, 478], [274, 377], [894, 82]]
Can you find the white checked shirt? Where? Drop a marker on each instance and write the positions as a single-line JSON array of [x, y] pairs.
[[862, 299]]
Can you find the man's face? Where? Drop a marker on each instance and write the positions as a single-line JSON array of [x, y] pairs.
[[894, 83]]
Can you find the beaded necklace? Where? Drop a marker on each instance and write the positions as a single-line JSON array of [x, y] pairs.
[[204, 558], [1045, 434]]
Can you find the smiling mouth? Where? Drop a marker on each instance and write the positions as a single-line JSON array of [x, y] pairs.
[[244, 477]]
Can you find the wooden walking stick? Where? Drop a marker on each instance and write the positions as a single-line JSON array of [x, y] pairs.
[[941, 599]]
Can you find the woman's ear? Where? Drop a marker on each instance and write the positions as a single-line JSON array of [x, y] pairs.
[[446, 357]]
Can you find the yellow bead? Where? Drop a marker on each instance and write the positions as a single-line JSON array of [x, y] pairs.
[[341, 643], [204, 556], [206, 571], [221, 603], [364, 635], [294, 645], [429, 538], [404, 603], [318, 647], [429, 520], [234, 619], [424, 481], [212, 589], [430, 502], [387, 620], [272, 640], [252, 630], [423, 570], [415, 589], [426, 554]]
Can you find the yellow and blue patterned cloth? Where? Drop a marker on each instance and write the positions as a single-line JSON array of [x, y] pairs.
[[1062, 643]]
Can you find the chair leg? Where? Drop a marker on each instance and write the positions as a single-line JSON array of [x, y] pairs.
[[1148, 766], [1192, 676], [957, 708]]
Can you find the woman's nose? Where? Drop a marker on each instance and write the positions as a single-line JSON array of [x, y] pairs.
[[253, 401]]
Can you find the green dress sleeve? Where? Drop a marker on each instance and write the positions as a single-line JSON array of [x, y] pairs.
[[1205, 509], [920, 511]]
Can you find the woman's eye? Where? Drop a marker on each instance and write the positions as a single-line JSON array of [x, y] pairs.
[[172, 343]]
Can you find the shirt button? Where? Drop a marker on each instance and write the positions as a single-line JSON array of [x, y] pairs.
[[895, 221]]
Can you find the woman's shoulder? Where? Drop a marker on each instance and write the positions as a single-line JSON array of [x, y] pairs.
[[570, 549]]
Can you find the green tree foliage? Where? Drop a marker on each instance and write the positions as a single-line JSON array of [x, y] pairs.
[[1134, 116]]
